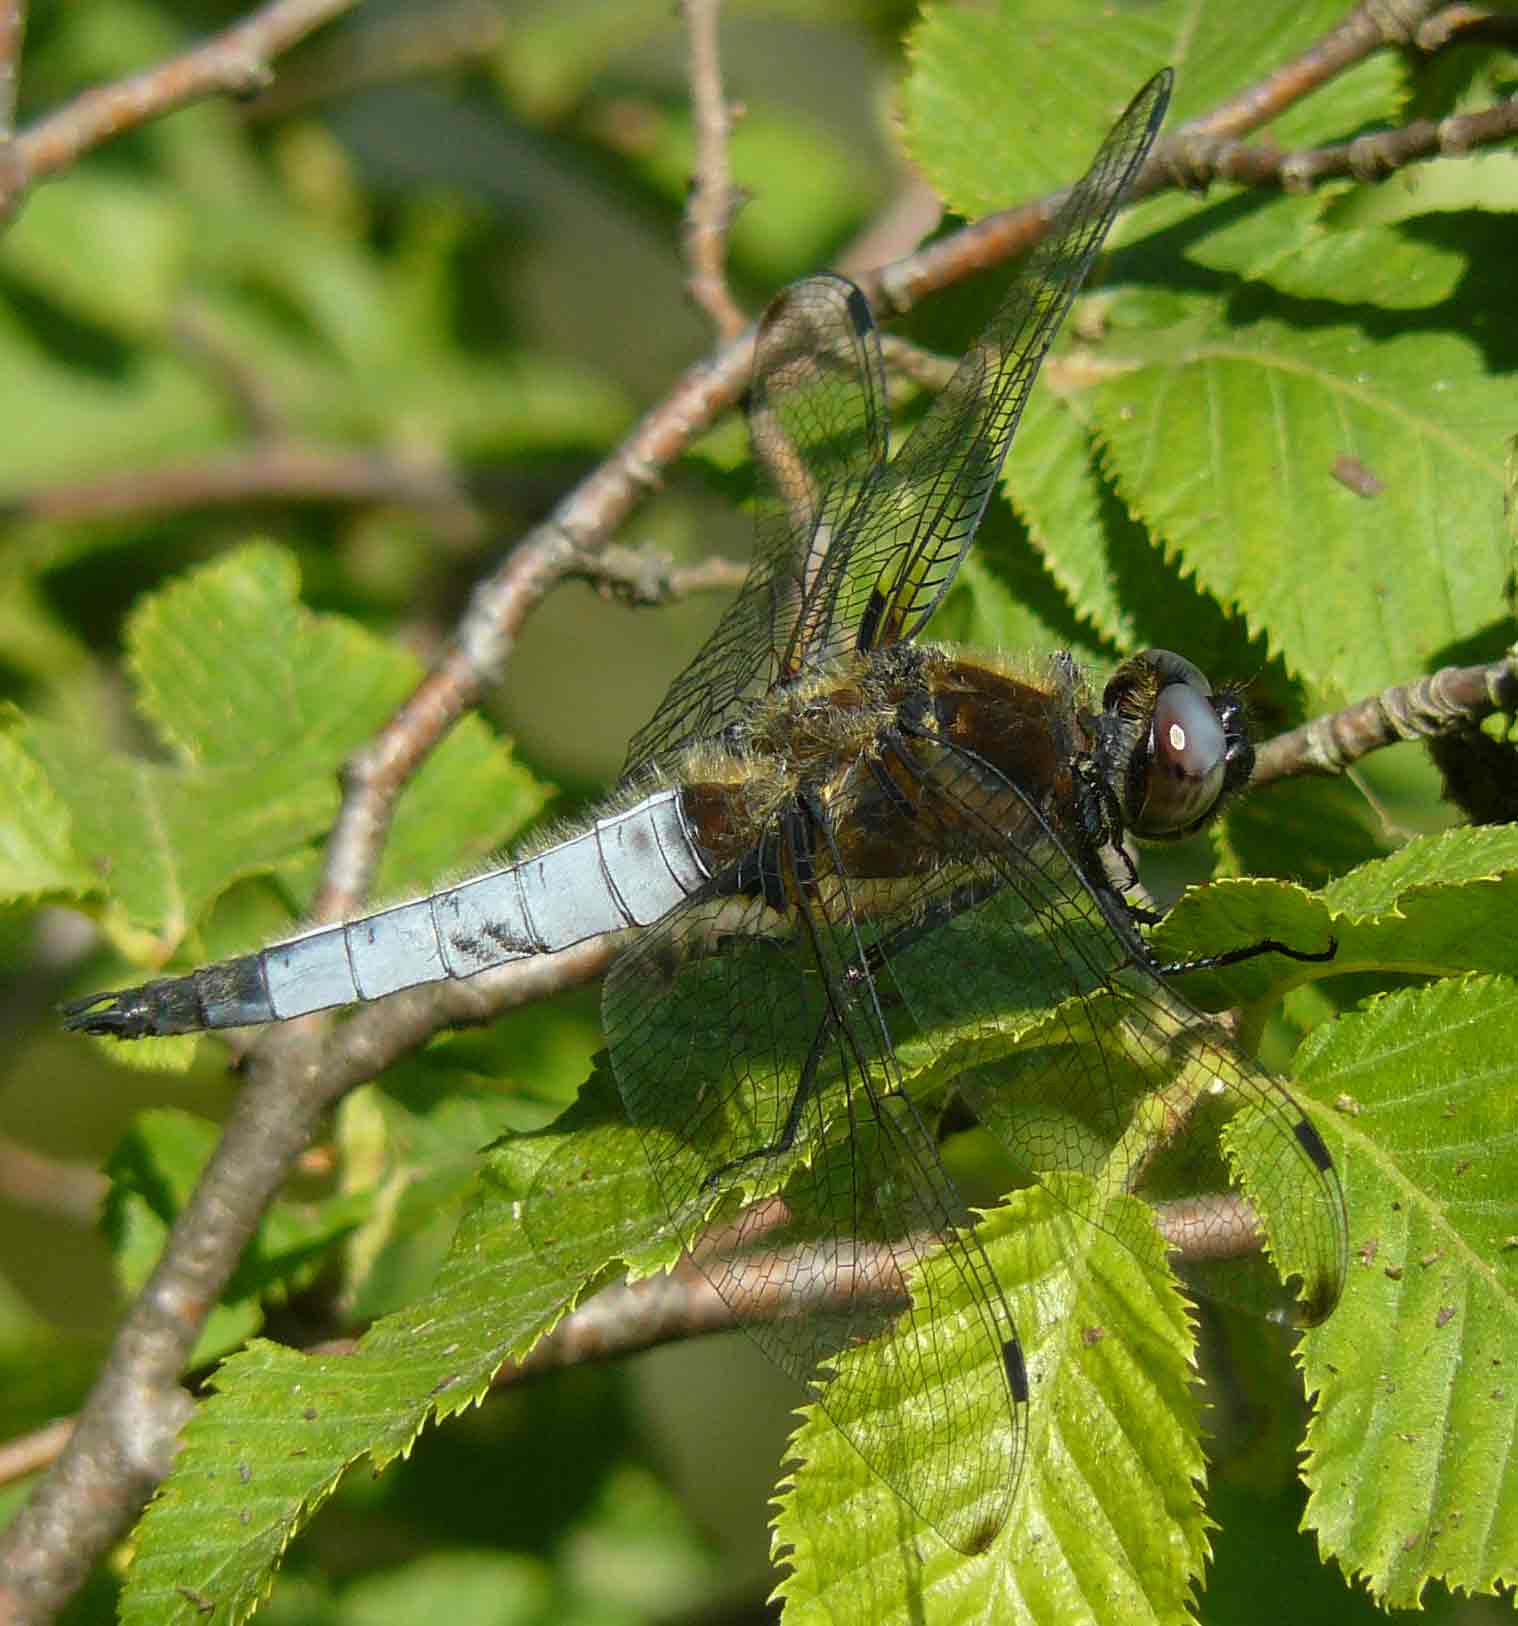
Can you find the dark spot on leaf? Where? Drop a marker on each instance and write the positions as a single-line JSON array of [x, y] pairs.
[[1355, 476]]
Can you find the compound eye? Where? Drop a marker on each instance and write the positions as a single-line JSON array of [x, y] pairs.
[[1187, 760]]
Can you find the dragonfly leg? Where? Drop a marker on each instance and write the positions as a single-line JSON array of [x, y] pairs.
[[790, 1130], [1250, 951]]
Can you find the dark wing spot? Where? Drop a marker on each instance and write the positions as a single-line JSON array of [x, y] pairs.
[[1312, 1144]]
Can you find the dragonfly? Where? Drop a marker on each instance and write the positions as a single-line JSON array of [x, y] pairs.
[[844, 859]]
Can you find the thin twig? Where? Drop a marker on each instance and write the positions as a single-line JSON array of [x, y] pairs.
[[711, 202], [648, 576], [235, 62], [1198, 1230], [677, 1305], [1369, 28], [271, 471], [386, 50], [194, 329], [926, 368], [31, 1452], [1453, 698], [50, 1185], [1467, 25], [12, 32], [1203, 159]]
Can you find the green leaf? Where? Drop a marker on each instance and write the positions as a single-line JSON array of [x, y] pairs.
[[1260, 451], [270, 1445], [971, 65], [1230, 442], [1437, 907], [57, 251], [1412, 1457], [260, 702], [153, 1172], [37, 858], [1105, 1508], [480, 1588]]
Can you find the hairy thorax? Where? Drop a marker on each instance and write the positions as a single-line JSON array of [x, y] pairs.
[[897, 751]]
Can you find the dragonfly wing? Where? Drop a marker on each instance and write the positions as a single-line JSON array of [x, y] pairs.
[[853, 551], [1028, 993], [818, 425], [924, 515], [812, 1196]]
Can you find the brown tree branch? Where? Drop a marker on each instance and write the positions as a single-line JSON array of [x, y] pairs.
[[270, 471], [31, 1452], [1467, 25], [680, 1304], [50, 1185], [1369, 28], [1203, 159], [712, 201], [647, 576], [12, 32], [235, 62], [1453, 698]]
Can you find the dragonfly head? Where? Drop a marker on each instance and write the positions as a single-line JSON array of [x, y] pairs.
[[1175, 748]]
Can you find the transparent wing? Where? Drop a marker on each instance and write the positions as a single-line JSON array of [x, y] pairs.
[[817, 422], [853, 551], [1079, 1058], [923, 515], [757, 1067]]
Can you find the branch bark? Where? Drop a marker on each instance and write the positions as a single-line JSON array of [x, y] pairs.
[[235, 62], [709, 208]]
